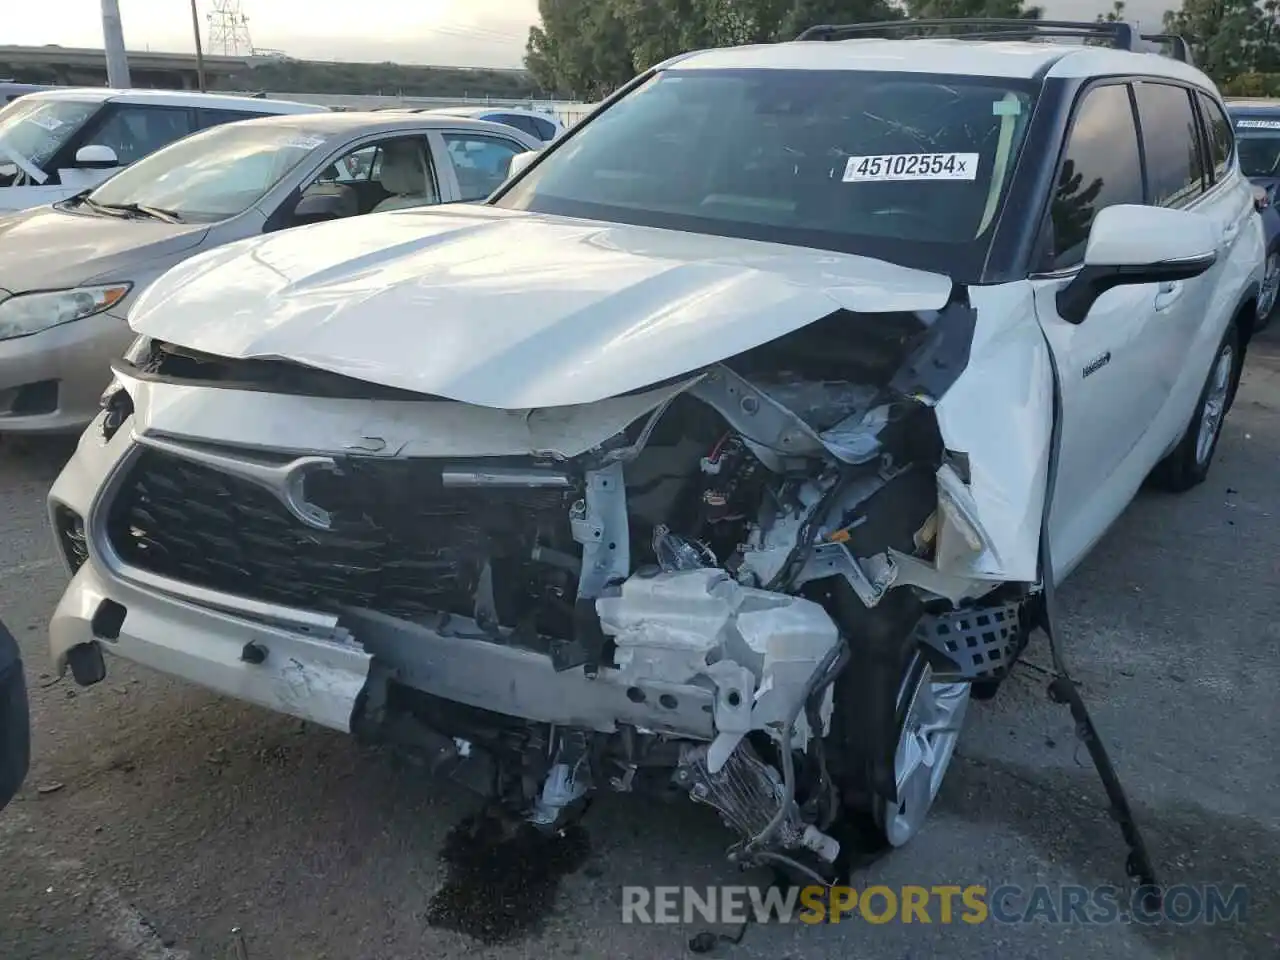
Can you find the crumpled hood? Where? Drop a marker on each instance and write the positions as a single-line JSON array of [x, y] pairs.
[[46, 248], [508, 309]]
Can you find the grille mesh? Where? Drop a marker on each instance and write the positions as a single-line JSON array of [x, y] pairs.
[[400, 542]]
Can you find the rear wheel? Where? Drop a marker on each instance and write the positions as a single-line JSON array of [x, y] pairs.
[[1188, 464]]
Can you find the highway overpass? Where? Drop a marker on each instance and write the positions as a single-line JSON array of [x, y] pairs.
[[86, 66]]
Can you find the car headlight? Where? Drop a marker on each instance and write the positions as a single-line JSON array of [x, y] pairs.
[[29, 313]]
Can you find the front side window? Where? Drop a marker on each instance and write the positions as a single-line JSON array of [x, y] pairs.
[[1175, 161], [907, 167], [1218, 128], [1101, 167], [33, 130], [134, 131], [481, 162], [213, 175]]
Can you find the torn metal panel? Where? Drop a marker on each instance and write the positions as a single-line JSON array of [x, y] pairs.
[[284, 423], [999, 413]]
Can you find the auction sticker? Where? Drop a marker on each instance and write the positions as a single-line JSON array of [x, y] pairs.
[[912, 166]]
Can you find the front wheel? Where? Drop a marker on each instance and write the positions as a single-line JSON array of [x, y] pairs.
[[1270, 288], [931, 714], [1188, 464]]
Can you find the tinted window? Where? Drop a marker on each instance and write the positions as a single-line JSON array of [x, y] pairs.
[[1218, 127], [215, 118], [545, 129], [481, 162], [910, 167], [1100, 168], [1258, 142], [134, 131], [1175, 164], [523, 124]]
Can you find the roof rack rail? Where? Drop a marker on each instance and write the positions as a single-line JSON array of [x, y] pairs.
[[1119, 34]]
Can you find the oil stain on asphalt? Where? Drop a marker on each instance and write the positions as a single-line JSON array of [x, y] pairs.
[[501, 885]]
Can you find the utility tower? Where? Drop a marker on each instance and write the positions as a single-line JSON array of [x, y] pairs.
[[229, 29]]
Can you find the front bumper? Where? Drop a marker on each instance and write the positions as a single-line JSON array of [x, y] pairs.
[[315, 669], [313, 679], [51, 382]]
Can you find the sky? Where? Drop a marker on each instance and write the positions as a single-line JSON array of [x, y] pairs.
[[481, 33]]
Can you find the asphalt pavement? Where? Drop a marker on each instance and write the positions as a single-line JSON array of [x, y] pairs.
[[159, 818]]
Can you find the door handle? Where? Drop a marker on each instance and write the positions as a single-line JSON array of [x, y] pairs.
[[1167, 294], [1230, 232]]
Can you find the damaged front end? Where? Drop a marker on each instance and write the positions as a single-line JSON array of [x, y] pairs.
[[753, 584]]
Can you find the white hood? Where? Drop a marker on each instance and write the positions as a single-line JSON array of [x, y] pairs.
[[510, 310]]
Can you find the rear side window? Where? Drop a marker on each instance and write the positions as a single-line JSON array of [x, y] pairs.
[[1221, 139], [481, 162], [545, 129], [1101, 167], [1175, 161], [523, 124], [216, 118]]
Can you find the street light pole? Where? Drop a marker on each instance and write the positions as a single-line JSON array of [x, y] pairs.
[[113, 45], [195, 26]]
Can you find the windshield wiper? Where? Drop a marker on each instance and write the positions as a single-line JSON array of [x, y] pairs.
[[83, 200], [141, 209]]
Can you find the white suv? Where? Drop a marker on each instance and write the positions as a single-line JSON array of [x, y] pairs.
[[60, 141], [713, 448]]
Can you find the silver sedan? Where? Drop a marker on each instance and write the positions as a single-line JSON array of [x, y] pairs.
[[68, 273]]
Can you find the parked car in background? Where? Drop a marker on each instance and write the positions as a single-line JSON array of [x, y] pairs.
[[15, 721], [10, 90], [55, 143], [69, 272], [543, 126], [1257, 136]]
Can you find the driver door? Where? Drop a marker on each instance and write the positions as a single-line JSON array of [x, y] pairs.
[[1113, 366]]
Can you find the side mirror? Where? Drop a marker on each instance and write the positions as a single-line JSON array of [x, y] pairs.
[[521, 162], [15, 721], [97, 157], [317, 207], [1132, 244]]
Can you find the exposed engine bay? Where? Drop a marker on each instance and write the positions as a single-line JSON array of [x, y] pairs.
[[742, 594]]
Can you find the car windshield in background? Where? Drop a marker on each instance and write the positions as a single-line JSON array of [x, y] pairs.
[[213, 175], [1259, 149], [903, 166], [34, 130]]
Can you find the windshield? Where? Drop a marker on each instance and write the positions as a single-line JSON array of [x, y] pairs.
[[1259, 149], [35, 129], [902, 166], [213, 175]]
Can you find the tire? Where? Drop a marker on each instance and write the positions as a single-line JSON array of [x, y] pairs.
[[1188, 465], [1268, 295], [873, 824]]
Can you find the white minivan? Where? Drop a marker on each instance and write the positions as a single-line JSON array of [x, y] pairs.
[[56, 143]]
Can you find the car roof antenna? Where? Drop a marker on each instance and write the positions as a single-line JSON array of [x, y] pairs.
[[1064, 689]]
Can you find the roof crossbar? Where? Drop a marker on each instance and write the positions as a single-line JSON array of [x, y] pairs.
[[1118, 34]]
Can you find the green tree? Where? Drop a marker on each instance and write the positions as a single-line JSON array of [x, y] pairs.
[[1014, 9], [580, 49], [1225, 35]]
